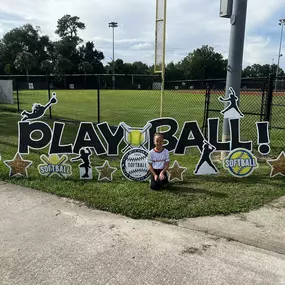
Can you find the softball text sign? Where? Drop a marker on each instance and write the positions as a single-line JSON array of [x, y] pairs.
[[240, 163]]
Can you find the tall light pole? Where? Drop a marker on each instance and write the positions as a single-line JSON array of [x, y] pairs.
[[113, 25], [281, 23]]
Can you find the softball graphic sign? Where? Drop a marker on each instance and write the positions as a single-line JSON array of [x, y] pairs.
[[134, 165], [240, 163], [55, 165]]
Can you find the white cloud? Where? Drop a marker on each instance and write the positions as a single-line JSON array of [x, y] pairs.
[[190, 24], [141, 46], [258, 50]]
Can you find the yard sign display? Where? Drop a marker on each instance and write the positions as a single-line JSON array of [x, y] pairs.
[[104, 139]]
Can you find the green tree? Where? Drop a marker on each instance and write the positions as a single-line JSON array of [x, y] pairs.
[[86, 68], [253, 71], [2, 58], [151, 69], [174, 71], [274, 68], [122, 67], [88, 53], [139, 68], [24, 39], [47, 66], [68, 26], [25, 61], [67, 49], [129, 68], [258, 70], [8, 69], [204, 63], [62, 67], [119, 67]]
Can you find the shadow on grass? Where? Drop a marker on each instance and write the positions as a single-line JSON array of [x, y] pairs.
[[5, 124], [184, 188], [13, 145], [254, 179]]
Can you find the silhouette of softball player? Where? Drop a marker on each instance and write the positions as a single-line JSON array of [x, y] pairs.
[[233, 102], [85, 156], [208, 149], [38, 110]]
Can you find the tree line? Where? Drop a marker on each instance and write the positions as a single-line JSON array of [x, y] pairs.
[[25, 50]]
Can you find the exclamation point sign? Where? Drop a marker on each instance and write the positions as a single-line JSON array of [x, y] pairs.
[[263, 137]]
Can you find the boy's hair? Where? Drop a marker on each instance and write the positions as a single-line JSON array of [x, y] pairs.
[[158, 135]]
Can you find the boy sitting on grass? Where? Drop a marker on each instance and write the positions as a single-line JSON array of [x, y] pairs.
[[158, 159]]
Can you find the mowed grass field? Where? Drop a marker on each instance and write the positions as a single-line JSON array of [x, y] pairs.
[[134, 107], [195, 196]]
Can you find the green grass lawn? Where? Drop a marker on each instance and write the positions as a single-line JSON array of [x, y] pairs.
[[134, 107], [195, 196]]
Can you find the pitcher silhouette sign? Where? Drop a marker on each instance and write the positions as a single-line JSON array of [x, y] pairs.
[[232, 111]]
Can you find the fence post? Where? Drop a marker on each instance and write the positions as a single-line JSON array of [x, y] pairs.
[[18, 99], [48, 88], [206, 110], [98, 97], [262, 108], [269, 98]]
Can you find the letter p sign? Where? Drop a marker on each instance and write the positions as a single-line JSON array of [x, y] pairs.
[[26, 129]]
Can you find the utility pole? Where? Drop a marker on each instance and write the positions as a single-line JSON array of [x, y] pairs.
[[236, 11], [281, 22], [113, 25]]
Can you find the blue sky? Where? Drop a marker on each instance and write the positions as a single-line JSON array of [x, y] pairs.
[[190, 24]]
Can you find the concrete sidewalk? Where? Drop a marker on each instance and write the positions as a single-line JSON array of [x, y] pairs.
[[51, 240], [263, 228]]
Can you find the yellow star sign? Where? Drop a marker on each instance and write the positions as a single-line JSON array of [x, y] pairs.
[[277, 165], [18, 166], [176, 172], [106, 171]]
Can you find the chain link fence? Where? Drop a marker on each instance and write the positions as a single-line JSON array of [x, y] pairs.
[[277, 116], [136, 99], [90, 98], [252, 104], [259, 101], [184, 101]]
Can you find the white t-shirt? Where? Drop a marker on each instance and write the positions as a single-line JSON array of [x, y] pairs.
[[158, 159]]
